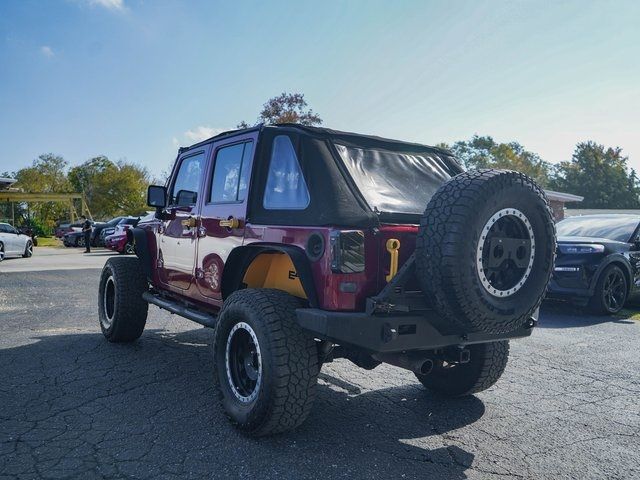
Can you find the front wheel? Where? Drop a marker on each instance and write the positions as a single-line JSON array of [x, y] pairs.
[[121, 308], [28, 249], [485, 366], [266, 365], [610, 293]]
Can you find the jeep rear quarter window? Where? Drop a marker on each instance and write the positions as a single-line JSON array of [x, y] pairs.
[[286, 188], [184, 191], [231, 173]]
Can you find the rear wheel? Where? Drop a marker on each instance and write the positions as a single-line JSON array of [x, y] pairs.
[[266, 365], [28, 249], [485, 366], [121, 308], [610, 293]]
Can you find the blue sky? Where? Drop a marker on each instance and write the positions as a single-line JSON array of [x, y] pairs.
[[132, 79]]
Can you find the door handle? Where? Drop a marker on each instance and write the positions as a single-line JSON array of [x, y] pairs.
[[230, 223]]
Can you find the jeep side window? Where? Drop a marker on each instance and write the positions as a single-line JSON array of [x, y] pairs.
[[231, 173], [185, 187], [285, 188]]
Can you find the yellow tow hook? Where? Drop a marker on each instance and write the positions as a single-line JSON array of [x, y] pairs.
[[393, 245]]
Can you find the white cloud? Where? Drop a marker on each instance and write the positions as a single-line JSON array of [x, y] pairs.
[[195, 135], [202, 132], [47, 51], [116, 5]]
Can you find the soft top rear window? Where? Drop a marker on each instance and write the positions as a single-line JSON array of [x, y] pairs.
[[395, 181]]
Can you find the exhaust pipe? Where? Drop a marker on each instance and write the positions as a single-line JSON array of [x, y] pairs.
[[418, 363]]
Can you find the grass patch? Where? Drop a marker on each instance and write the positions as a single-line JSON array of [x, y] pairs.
[[629, 314], [49, 242]]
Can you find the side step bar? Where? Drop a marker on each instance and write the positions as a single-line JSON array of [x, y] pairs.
[[179, 309]]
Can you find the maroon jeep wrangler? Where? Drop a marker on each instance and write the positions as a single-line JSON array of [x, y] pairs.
[[300, 245]]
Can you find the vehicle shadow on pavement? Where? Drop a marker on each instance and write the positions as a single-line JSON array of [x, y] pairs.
[[556, 314], [75, 405]]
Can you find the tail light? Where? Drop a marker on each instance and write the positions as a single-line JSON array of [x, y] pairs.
[[347, 251]]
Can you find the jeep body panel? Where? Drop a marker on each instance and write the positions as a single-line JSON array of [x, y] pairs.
[[187, 250]]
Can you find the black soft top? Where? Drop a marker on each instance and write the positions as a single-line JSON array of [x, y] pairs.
[[335, 199]]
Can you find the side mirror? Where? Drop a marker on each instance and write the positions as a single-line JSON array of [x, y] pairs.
[[157, 196], [186, 198]]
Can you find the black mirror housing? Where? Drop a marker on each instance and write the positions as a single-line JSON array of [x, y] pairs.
[[157, 196]]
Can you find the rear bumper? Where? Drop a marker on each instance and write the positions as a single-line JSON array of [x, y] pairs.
[[391, 333], [116, 243]]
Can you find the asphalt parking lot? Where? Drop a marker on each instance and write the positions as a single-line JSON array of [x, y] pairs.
[[74, 406]]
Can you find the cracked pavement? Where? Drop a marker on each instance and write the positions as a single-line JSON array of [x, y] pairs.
[[74, 406]]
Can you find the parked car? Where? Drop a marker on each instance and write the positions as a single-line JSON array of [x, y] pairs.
[[73, 239], [13, 243], [65, 228], [121, 240], [301, 245], [97, 240], [61, 229], [597, 262], [110, 230]]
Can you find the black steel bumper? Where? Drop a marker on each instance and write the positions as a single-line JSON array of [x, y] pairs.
[[391, 333]]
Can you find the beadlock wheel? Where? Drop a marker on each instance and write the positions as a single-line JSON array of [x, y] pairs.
[[243, 362], [485, 251], [505, 252]]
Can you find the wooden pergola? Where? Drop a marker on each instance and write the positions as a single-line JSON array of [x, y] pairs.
[[13, 197]]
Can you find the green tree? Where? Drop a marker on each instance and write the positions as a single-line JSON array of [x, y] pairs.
[[286, 108], [110, 188], [485, 152], [46, 175], [600, 175]]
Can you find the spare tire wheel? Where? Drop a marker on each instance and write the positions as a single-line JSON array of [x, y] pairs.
[[485, 251]]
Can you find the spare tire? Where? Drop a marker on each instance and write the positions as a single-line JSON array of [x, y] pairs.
[[485, 251]]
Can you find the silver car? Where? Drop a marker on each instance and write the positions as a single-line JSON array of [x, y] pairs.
[[13, 243]]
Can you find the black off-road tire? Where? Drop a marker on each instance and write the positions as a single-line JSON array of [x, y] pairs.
[[28, 249], [597, 304], [447, 250], [121, 309], [289, 362], [486, 365]]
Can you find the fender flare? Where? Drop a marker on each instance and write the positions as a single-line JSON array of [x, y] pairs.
[[241, 257], [141, 245], [618, 259]]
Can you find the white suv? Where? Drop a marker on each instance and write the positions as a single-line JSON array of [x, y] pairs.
[[13, 243]]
